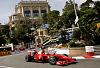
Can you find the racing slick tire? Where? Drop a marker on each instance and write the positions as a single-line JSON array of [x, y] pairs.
[[52, 60], [28, 58]]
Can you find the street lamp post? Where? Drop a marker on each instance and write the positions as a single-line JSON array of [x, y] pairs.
[[76, 20]]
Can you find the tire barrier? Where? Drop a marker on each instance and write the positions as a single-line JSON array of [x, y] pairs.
[[5, 53]]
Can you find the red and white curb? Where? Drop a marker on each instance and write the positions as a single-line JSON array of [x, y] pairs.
[[87, 57]]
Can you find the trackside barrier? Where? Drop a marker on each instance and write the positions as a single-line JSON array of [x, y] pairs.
[[58, 51], [97, 50], [4, 53], [10, 45], [77, 51], [70, 52], [89, 51]]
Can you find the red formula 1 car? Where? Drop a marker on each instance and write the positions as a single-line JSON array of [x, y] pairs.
[[53, 59], [61, 59]]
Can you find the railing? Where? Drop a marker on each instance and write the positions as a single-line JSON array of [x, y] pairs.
[[97, 49]]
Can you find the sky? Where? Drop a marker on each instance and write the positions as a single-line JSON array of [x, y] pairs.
[[8, 6]]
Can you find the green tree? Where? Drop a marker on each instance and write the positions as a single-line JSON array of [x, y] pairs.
[[44, 18], [5, 30], [52, 18], [20, 31], [68, 16], [4, 33], [89, 17], [76, 34], [1, 30], [22, 28]]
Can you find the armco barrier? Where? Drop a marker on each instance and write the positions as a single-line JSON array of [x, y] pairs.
[[97, 50]]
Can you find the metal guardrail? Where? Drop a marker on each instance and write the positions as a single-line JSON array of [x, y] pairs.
[[97, 50]]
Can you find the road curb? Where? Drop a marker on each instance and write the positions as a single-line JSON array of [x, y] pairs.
[[87, 57]]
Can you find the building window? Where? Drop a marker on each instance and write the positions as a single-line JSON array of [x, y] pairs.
[[27, 13], [35, 13], [43, 11]]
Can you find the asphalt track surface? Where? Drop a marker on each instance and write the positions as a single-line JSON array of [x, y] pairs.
[[17, 61]]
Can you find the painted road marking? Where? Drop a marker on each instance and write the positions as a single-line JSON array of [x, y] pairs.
[[5, 67], [79, 57]]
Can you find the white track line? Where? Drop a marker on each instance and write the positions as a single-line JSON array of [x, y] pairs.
[[5, 67], [79, 57], [82, 57], [97, 56]]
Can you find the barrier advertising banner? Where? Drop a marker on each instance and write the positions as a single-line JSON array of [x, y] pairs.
[[58, 51]]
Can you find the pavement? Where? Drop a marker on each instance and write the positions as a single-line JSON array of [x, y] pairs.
[[18, 61]]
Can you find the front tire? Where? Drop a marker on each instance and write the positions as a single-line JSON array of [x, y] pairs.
[[28, 58], [52, 60]]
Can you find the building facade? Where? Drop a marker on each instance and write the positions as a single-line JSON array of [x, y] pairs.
[[33, 9]]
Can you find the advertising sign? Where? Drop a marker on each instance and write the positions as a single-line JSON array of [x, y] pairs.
[[89, 48], [58, 51]]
